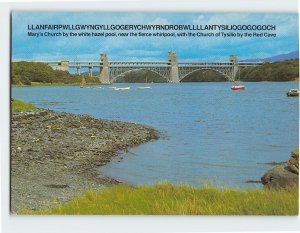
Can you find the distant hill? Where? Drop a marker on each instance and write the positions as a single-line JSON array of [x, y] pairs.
[[274, 72], [281, 57], [26, 73]]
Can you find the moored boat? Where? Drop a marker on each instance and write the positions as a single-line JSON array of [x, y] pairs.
[[293, 93], [238, 88], [121, 88], [144, 87]]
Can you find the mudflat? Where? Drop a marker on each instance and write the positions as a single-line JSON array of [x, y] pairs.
[[55, 156]]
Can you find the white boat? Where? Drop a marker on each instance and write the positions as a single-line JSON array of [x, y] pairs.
[[293, 93], [144, 87], [122, 88]]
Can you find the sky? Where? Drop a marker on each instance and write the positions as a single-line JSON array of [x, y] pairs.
[[142, 48]]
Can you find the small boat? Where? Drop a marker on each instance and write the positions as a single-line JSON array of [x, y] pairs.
[[144, 87], [238, 87], [112, 87], [122, 88], [293, 93]]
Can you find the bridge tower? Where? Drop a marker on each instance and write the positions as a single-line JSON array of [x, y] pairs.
[[104, 69], [63, 65], [172, 61], [234, 60], [90, 70]]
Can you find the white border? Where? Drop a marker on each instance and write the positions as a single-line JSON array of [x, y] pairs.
[[75, 224], [158, 5]]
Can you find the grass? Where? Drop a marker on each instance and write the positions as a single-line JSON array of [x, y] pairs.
[[20, 106], [167, 199]]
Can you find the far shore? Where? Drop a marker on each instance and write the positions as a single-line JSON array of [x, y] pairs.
[[55, 156], [40, 84]]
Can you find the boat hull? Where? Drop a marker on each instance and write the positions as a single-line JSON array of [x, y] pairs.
[[237, 88], [292, 94], [121, 88]]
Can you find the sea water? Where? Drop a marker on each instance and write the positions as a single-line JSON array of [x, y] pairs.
[[210, 134]]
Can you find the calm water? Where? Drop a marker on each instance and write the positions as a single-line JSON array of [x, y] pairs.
[[213, 134]]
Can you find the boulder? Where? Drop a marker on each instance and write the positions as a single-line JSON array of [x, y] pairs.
[[293, 163], [283, 177], [279, 177]]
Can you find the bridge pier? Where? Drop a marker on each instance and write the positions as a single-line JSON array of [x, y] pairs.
[[104, 69], [78, 70], [90, 71], [172, 61], [235, 69]]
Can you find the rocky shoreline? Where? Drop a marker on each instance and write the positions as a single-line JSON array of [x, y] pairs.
[[55, 156], [283, 177]]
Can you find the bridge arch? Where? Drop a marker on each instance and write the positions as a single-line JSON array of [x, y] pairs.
[[225, 73], [163, 73]]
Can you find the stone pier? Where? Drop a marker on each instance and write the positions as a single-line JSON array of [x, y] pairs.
[[235, 69], [78, 70], [62, 65], [104, 69], [172, 61], [90, 71]]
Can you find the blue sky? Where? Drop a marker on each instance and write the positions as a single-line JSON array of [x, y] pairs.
[[137, 48]]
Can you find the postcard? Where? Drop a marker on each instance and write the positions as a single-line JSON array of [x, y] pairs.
[[154, 113]]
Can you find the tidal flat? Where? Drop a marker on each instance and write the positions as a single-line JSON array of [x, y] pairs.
[[55, 156]]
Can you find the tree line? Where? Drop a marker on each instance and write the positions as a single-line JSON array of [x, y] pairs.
[[24, 73], [277, 72]]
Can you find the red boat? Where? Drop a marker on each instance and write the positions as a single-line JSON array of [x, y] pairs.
[[238, 88]]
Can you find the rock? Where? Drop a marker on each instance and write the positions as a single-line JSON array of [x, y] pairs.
[[293, 163], [279, 177], [283, 177]]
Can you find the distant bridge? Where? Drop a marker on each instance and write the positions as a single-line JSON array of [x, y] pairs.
[[171, 70]]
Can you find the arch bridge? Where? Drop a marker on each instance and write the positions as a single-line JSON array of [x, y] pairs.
[[171, 70]]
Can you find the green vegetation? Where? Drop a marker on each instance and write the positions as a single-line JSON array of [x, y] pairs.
[[34, 73], [277, 72], [19, 106], [204, 76], [143, 76], [166, 199], [140, 76]]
